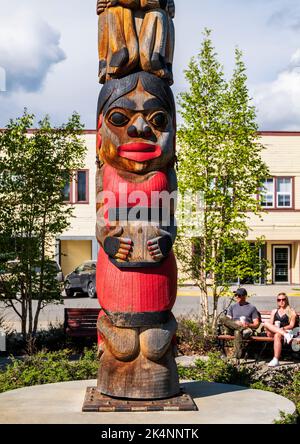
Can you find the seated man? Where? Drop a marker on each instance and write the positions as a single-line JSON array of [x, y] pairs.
[[242, 318]]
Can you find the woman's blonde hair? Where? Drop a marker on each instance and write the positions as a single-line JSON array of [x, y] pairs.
[[289, 310]]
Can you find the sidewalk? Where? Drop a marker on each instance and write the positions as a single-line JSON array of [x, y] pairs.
[[253, 290]]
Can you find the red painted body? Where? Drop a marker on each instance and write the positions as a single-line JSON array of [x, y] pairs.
[[134, 290], [115, 184]]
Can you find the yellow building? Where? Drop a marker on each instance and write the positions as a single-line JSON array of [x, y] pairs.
[[78, 244], [281, 221], [280, 225]]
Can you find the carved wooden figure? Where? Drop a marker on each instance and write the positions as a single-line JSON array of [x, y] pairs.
[[136, 271], [135, 35]]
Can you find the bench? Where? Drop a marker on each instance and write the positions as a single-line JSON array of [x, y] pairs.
[[265, 316], [81, 322]]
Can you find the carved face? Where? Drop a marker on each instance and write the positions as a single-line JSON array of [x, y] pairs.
[[137, 133]]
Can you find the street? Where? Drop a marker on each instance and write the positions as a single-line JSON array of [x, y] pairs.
[[187, 304]]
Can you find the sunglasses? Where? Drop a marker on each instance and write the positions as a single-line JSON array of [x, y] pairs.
[[281, 300]]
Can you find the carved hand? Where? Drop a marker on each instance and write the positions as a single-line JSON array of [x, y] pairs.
[[161, 246], [103, 4], [118, 247]]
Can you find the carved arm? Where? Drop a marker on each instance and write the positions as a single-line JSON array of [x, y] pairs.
[[161, 246], [110, 237]]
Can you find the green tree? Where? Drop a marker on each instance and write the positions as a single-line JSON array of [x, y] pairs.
[[220, 174], [34, 168]]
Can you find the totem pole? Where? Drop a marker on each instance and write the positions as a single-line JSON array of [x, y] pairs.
[[136, 182]]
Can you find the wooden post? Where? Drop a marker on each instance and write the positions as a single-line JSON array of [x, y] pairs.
[[136, 187]]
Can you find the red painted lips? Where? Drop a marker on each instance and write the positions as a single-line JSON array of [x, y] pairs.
[[139, 152]]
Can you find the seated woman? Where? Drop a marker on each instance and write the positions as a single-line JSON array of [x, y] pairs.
[[282, 320]]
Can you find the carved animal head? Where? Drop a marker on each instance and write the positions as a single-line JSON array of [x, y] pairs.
[[136, 123]]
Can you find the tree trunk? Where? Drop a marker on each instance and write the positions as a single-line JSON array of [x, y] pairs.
[[205, 317], [36, 317], [215, 310], [41, 281], [203, 281], [23, 312]]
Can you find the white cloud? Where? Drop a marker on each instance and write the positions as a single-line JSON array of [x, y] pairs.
[[29, 47], [278, 101], [295, 59]]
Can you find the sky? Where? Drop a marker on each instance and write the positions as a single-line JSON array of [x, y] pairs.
[[49, 59]]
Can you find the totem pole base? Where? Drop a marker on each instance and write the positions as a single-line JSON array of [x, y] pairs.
[[140, 378], [97, 402]]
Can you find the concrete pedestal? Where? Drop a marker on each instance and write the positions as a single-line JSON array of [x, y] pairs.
[[217, 404]]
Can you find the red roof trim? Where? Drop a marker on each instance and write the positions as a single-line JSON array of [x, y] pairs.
[[90, 132], [278, 133], [32, 131], [260, 133]]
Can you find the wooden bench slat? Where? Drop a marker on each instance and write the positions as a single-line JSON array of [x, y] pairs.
[[83, 313], [252, 338], [87, 329], [81, 322], [82, 333]]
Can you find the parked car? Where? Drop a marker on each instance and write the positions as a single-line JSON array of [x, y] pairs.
[[55, 268], [82, 279]]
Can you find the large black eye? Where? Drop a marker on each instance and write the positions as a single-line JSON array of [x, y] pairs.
[[118, 119], [159, 120]]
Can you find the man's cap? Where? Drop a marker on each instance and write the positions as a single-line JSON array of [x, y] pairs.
[[241, 292]]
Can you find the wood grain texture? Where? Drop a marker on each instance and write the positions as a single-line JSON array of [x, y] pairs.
[[140, 378], [136, 268], [135, 35], [153, 39], [123, 343]]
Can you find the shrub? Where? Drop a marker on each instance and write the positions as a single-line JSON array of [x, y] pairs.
[[292, 389], [216, 369], [48, 368], [50, 339], [261, 386], [53, 338], [286, 418], [190, 337]]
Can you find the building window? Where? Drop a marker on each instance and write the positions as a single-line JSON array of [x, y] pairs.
[[67, 192], [82, 187], [277, 193], [268, 191], [284, 192]]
